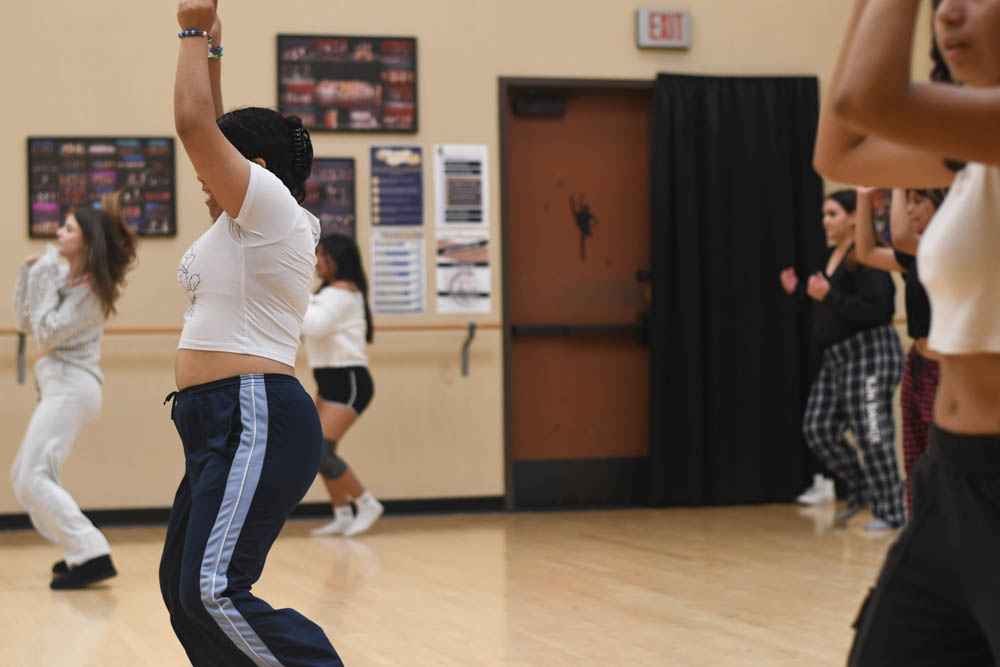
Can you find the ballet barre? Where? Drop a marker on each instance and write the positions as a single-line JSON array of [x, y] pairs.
[[469, 327]]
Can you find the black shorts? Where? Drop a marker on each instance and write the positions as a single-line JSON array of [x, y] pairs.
[[351, 387]]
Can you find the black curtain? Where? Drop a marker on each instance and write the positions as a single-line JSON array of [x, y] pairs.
[[735, 199]]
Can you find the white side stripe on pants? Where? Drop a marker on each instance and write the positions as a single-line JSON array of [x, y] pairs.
[[240, 487]]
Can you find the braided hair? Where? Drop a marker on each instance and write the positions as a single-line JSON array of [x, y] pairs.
[[281, 141]]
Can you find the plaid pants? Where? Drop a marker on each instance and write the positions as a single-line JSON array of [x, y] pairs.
[[854, 390], [920, 381]]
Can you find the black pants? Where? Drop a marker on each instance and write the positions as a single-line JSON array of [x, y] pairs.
[[937, 599], [252, 445], [854, 391]]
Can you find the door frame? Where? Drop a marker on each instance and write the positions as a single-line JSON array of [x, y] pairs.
[[505, 85]]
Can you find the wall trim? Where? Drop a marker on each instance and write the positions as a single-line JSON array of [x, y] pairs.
[[160, 515], [592, 483]]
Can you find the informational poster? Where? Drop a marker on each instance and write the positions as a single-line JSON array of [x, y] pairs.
[[398, 272], [349, 84], [463, 271], [69, 173], [461, 185], [330, 195], [397, 182]]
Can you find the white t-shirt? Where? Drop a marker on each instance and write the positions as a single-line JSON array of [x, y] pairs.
[[959, 261], [247, 279], [335, 328]]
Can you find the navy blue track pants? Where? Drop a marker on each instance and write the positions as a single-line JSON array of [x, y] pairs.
[[252, 447]]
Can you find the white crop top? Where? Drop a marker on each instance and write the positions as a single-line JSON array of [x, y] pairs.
[[247, 280], [959, 261], [334, 328]]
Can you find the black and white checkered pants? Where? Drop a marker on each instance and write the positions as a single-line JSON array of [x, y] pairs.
[[854, 391]]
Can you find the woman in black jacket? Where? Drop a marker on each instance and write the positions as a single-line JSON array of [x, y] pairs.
[[862, 363]]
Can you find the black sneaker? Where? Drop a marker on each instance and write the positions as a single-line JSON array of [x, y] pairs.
[[84, 574], [60, 567]]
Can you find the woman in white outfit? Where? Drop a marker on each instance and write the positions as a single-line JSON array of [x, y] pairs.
[[66, 307], [337, 326]]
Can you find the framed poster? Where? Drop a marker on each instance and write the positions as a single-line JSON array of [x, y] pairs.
[[66, 173], [349, 84], [330, 195]]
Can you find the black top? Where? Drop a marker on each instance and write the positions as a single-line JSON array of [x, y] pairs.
[[861, 298], [918, 306]]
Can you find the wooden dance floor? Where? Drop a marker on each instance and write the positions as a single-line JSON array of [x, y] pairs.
[[766, 585]]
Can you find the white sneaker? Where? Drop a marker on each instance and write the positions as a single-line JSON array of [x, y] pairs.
[[368, 512], [822, 491], [342, 521], [806, 497]]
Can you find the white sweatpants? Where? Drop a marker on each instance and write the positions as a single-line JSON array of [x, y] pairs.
[[70, 399]]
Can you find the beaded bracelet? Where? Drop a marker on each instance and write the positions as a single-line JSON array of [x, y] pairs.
[[195, 33], [215, 52]]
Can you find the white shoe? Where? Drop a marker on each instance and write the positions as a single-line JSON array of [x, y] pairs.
[[822, 491], [806, 497], [368, 513], [341, 522]]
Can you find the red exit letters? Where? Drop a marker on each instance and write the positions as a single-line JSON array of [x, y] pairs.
[[666, 26]]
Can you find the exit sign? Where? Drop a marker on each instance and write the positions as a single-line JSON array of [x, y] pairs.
[[663, 28]]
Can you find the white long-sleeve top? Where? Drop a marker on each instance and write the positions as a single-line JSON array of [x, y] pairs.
[[68, 321], [334, 329]]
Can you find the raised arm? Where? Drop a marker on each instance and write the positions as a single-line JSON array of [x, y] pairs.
[[217, 162], [851, 154], [904, 237], [877, 96], [215, 66], [864, 237]]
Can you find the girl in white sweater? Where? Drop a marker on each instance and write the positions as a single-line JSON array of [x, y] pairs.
[[65, 307]]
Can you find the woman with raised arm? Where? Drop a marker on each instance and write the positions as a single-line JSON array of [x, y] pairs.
[[862, 362], [66, 307], [937, 599], [911, 212], [251, 436]]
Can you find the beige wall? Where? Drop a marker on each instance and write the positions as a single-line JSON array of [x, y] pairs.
[[106, 68]]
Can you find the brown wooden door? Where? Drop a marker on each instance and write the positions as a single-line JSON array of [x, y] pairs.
[[577, 232]]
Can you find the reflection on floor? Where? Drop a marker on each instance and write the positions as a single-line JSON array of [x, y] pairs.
[[762, 585]]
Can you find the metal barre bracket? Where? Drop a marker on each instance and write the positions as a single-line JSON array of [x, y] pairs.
[[465, 349]]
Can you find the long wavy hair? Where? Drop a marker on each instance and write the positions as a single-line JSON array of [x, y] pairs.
[[344, 251], [110, 249]]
